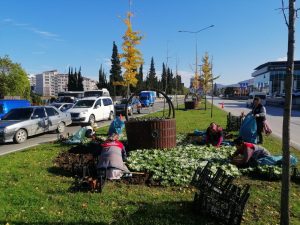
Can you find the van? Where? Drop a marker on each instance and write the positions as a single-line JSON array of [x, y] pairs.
[[252, 95], [96, 93], [92, 109], [147, 98], [7, 104]]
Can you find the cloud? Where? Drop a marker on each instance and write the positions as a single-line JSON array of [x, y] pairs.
[[284, 58], [44, 34], [186, 77]]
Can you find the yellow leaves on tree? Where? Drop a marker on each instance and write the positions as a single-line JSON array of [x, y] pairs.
[[131, 55], [206, 77]]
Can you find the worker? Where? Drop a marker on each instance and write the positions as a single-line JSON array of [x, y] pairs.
[[259, 112], [214, 135], [247, 154], [112, 158]]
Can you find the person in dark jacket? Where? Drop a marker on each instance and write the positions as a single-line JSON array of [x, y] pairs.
[[112, 158], [259, 112], [247, 154], [214, 135]]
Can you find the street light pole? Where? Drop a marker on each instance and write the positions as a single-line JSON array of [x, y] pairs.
[[196, 50]]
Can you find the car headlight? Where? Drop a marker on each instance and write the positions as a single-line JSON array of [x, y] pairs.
[[3, 130]]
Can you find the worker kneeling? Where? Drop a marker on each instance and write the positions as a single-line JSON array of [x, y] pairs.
[[112, 158], [247, 154]]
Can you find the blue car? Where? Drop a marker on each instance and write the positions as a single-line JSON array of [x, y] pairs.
[[6, 105]]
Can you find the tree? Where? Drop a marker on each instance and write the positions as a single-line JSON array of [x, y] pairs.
[[140, 77], [152, 79], [206, 76], [170, 81], [79, 81], [102, 82], [115, 71], [164, 78], [131, 55], [13, 79], [285, 183]]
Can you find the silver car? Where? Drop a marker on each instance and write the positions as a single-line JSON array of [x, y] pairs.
[[20, 123]]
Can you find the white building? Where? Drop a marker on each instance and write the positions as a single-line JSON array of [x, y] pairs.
[[89, 84], [50, 83]]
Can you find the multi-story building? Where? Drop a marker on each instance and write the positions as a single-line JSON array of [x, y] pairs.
[[89, 84], [32, 81], [50, 83], [269, 77]]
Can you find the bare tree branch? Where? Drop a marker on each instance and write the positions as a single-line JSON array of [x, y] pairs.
[[283, 12]]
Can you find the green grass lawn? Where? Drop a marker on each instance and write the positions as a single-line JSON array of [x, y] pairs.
[[32, 191]]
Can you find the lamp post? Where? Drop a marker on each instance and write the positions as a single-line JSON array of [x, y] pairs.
[[196, 48]]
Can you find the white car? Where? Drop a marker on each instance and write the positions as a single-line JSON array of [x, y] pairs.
[[92, 109]]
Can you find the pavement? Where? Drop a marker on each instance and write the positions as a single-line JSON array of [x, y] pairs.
[[274, 118]]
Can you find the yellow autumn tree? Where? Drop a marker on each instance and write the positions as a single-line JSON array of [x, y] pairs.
[[132, 57], [206, 76]]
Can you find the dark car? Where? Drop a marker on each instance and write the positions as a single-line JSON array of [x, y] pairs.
[[135, 104], [20, 123]]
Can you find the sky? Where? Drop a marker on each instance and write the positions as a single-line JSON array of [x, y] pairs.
[[44, 35]]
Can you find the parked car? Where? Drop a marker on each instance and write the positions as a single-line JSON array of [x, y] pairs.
[[135, 104], [20, 123], [63, 106], [92, 109], [7, 104], [295, 93], [252, 95]]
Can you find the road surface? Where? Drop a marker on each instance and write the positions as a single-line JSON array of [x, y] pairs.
[[274, 117], [43, 138]]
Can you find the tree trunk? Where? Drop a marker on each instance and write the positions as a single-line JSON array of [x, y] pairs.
[[285, 188]]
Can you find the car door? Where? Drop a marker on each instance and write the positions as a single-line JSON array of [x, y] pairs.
[[39, 121], [54, 118], [106, 107], [97, 110]]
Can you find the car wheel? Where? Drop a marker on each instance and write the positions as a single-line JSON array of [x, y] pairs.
[[61, 127], [111, 116], [92, 120], [20, 136]]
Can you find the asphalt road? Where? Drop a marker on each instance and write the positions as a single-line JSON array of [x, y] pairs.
[[43, 138], [274, 117]]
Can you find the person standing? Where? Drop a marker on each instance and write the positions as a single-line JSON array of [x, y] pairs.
[[259, 112]]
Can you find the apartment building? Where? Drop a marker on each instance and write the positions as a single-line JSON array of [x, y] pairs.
[[50, 83], [89, 84]]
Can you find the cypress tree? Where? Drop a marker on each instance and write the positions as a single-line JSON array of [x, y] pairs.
[[79, 81], [164, 78], [115, 71], [140, 77], [102, 83], [152, 76]]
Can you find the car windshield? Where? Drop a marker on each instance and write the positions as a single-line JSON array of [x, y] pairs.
[[93, 93], [56, 105], [123, 101], [18, 114], [84, 104]]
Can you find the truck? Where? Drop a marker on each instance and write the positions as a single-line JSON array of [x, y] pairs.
[[147, 98]]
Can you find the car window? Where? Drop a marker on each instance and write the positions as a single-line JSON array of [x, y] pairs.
[[39, 113], [18, 114], [84, 104], [66, 107], [51, 112], [109, 101], [98, 102]]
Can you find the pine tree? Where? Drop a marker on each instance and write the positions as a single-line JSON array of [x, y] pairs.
[[140, 77], [71, 80], [164, 78], [79, 81], [169, 81], [152, 79], [115, 71], [102, 82]]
